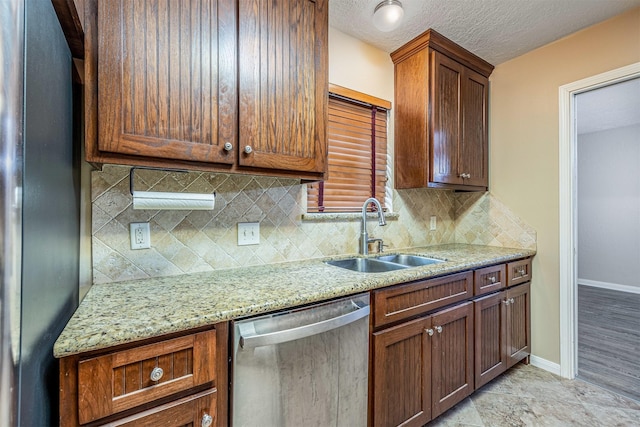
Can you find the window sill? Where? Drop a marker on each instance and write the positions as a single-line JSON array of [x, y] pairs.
[[346, 216]]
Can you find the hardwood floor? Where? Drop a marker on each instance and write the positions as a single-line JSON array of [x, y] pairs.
[[609, 339]]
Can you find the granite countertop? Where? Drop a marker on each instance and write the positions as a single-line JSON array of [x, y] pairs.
[[124, 312]]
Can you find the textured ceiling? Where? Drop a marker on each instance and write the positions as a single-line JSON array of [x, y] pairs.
[[609, 107], [495, 30]]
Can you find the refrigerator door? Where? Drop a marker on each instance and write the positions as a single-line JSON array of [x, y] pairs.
[[11, 160]]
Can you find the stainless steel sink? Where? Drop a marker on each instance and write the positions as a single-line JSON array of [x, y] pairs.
[[409, 260], [366, 265], [383, 263]]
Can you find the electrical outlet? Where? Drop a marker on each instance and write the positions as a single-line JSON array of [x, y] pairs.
[[140, 235], [432, 223], [248, 233]]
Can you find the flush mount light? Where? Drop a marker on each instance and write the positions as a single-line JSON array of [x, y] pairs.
[[387, 15]]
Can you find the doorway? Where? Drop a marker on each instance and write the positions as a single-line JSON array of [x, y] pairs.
[[568, 214], [608, 239]]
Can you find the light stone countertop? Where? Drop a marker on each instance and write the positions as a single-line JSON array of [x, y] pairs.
[[123, 312]]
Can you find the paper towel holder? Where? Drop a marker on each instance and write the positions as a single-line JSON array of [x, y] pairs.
[[169, 201]]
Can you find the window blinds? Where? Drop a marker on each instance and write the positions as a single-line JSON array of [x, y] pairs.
[[357, 134]]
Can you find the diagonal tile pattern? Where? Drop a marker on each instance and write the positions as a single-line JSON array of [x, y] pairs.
[[529, 396], [196, 241]]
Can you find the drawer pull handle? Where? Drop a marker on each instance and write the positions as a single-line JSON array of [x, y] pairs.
[[207, 420], [228, 146], [429, 332], [439, 329], [156, 374]]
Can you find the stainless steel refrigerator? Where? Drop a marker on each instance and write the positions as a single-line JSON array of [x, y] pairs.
[[39, 209]]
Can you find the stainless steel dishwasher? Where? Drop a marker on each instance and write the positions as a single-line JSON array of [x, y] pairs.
[[303, 367]]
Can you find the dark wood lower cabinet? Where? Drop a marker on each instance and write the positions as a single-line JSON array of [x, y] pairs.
[[423, 367], [518, 323], [451, 357], [502, 332], [490, 338], [198, 410], [426, 358], [402, 374]]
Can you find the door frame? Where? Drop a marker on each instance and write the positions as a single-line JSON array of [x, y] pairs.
[[568, 208]]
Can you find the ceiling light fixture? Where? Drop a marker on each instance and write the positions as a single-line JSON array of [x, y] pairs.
[[387, 15]]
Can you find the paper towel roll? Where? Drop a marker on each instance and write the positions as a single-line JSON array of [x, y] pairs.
[[151, 200]]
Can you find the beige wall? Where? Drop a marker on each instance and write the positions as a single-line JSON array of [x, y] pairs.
[[359, 66], [524, 146]]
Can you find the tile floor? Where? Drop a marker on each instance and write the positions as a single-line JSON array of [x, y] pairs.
[[529, 396]]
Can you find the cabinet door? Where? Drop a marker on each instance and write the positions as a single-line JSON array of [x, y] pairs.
[[473, 155], [283, 84], [198, 410], [518, 324], [452, 357], [447, 115], [490, 338], [167, 79], [401, 384], [126, 379]]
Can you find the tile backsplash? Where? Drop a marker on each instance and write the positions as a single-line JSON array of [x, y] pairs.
[[195, 241]]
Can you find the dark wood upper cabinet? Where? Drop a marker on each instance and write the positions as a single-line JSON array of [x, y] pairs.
[[283, 84], [441, 124], [167, 79], [192, 84]]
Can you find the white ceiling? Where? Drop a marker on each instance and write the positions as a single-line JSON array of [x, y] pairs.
[[609, 107], [495, 30]]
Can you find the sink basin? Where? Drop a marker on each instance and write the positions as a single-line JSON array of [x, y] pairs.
[[409, 260], [366, 265]]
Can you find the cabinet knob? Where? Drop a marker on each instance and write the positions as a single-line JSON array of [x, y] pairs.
[[492, 279], [506, 302], [207, 420], [156, 374], [228, 146], [439, 329], [511, 300], [522, 272], [248, 149], [429, 332]]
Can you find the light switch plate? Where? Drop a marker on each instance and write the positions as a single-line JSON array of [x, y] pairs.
[[140, 235], [248, 233]]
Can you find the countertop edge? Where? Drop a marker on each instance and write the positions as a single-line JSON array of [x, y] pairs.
[[87, 329]]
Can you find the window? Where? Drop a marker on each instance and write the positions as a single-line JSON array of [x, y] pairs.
[[357, 133]]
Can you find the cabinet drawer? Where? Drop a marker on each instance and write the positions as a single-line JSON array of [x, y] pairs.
[[518, 272], [122, 380], [198, 410], [489, 279], [405, 301]]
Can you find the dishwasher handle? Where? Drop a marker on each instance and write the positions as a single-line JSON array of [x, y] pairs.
[[261, 340]]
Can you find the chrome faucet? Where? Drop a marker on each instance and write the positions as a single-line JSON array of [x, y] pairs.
[[364, 236]]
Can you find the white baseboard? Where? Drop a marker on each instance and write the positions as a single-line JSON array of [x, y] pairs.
[[541, 363], [611, 286]]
